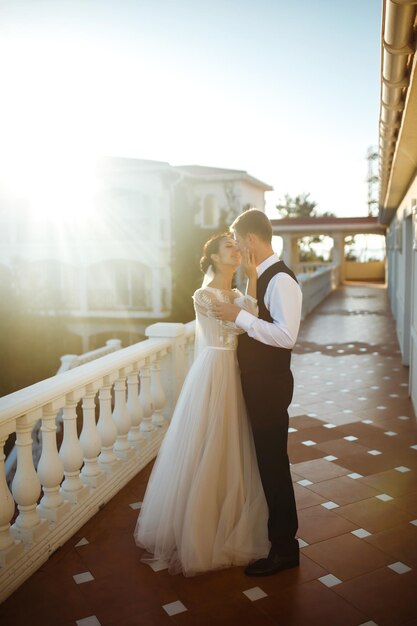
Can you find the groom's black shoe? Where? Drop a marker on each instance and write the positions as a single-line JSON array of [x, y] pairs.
[[273, 563]]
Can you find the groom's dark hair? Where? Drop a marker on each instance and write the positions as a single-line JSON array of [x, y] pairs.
[[253, 221]]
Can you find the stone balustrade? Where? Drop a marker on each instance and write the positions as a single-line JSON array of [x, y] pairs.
[[317, 285], [77, 474]]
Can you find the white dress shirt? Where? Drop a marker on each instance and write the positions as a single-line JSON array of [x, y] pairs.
[[283, 300]]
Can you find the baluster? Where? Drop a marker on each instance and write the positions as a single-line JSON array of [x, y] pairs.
[[121, 418], [90, 441], [51, 470], [9, 548], [158, 395], [134, 409], [71, 453], [26, 486], [146, 426], [106, 428]]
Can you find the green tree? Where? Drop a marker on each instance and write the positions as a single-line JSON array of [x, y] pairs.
[[189, 238], [302, 206]]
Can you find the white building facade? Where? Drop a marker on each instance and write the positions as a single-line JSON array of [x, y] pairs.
[[398, 172], [110, 274]]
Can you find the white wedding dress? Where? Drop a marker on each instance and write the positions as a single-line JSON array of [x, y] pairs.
[[204, 507]]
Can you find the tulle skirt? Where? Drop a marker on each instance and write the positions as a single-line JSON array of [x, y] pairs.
[[204, 507]]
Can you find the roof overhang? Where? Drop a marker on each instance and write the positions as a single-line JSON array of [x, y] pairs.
[[322, 225], [398, 105]]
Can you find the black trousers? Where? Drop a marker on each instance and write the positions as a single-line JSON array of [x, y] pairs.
[[267, 396]]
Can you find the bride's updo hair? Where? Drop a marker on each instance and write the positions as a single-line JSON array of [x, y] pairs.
[[211, 247]]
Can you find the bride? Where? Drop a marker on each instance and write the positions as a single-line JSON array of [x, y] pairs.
[[204, 507]]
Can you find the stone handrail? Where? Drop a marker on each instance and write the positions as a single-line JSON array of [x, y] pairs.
[[69, 361], [317, 285], [305, 267], [90, 468]]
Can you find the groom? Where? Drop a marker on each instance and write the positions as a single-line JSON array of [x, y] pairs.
[[264, 355]]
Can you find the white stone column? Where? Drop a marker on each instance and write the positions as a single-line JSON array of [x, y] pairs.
[[173, 374], [134, 408], [51, 470], [9, 547], [158, 395], [26, 486], [106, 428], [338, 254], [146, 427], [121, 418], [290, 251], [71, 453], [91, 474]]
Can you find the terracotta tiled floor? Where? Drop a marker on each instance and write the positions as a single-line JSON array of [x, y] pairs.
[[355, 474]]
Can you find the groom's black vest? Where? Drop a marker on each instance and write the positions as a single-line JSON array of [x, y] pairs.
[[254, 355]]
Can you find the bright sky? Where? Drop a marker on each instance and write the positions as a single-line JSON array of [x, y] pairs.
[[288, 91]]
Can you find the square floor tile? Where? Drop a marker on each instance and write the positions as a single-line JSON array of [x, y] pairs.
[[384, 497], [330, 580], [373, 514], [399, 568], [330, 505], [402, 469], [91, 620], [135, 505], [309, 443], [361, 533], [85, 577], [256, 593], [355, 476], [374, 452], [304, 482], [382, 595], [330, 457], [318, 524], [350, 438], [347, 556], [82, 542], [173, 608], [319, 469]]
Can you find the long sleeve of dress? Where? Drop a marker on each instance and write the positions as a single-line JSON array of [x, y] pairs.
[[247, 303], [203, 304]]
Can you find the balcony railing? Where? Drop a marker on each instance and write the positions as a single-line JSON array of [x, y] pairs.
[[48, 503], [317, 284]]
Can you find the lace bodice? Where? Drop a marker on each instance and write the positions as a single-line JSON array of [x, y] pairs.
[[211, 331]]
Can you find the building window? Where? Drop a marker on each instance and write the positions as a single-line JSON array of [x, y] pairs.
[[210, 216], [40, 284], [119, 285]]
